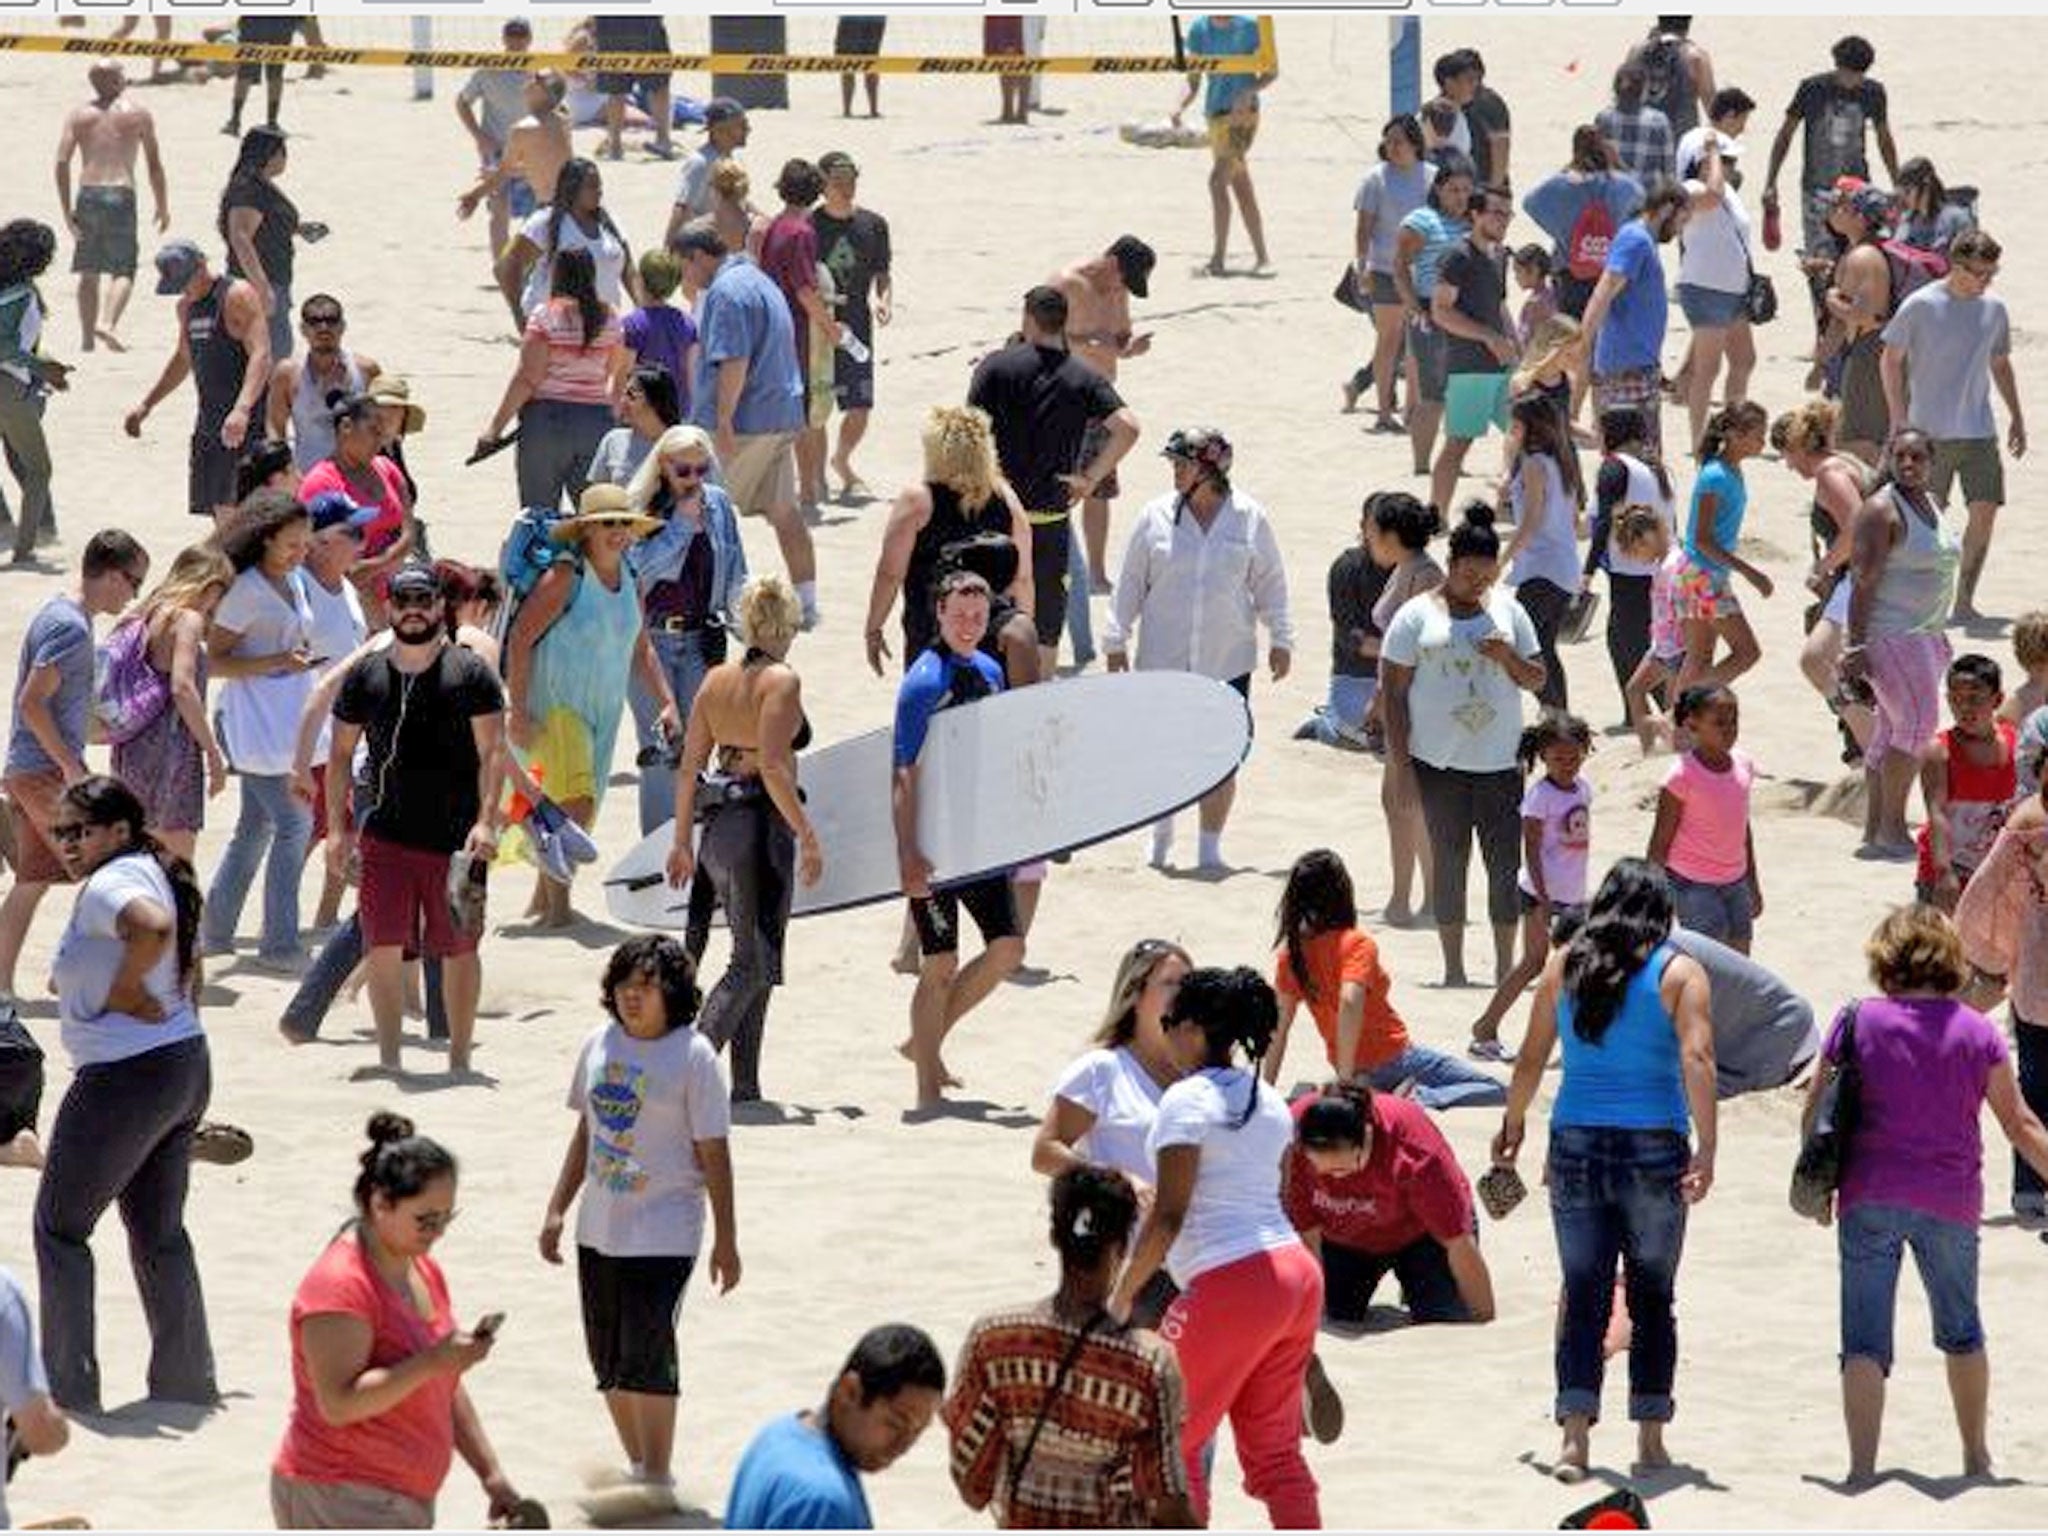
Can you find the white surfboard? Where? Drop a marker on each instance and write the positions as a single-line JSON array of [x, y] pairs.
[[1002, 781]]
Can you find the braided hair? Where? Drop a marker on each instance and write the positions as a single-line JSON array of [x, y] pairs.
[[1235, 1009]]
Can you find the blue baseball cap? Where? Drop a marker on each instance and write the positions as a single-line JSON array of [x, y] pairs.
[[335, 509]]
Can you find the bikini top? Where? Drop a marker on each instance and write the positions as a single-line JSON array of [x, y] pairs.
[[802, 739]]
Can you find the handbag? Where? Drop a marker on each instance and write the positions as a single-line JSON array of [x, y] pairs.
[[1349, 293], [21, 1075], [1818, 1173], [1760, 303]]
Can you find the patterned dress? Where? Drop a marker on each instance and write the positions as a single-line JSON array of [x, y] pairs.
[[163, 764]]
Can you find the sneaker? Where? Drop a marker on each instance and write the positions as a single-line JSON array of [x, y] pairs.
[[2030, 1212], [1324, 1414]]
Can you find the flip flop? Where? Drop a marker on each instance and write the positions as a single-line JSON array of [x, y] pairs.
[[527, 1515], [222, 1145]]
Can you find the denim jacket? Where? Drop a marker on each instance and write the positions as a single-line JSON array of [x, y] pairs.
[[659, 556]]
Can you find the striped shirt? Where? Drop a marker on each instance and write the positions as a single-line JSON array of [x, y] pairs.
[[1109, 1449], [576, 372]]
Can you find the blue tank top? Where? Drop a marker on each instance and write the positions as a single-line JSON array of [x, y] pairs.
[[1631, 1080]]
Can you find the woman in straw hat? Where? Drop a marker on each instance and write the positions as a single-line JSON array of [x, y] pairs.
[[574, 643]]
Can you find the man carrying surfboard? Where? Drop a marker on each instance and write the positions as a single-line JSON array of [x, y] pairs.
[[953, 672]]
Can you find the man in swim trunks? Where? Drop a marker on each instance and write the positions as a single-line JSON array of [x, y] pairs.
[[1098, 293], [105, 134], [501, 96], [633, 34], [952, 673], [1231, 104]]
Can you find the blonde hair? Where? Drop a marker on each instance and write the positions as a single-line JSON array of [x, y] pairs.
[[1916, 949], [683, 438], [1635, 523], [730, 181], [1809, 428], [769, 614], [2030, 639], [193, 573], [1555, 337], [960, 452], [1120, 1023]]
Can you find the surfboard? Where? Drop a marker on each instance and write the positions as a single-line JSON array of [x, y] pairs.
[[1001, 782]]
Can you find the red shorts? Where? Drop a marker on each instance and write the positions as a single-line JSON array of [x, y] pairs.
[[319, 807], [402, 900]]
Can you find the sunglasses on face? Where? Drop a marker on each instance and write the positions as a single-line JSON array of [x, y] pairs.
[[686, 471], [421, 600], [321, 322]]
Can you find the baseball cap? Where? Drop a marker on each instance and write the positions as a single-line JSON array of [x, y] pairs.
[[1134, 259], [414, 576], [517, 24], [337, 509], [722, 109], [836, 160], [176, 261]]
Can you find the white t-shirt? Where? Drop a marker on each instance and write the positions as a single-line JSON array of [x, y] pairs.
[[1643, 487], [1236, 1209], [258, 719], [1713, 252], [1114, 1087], [606, 250], [338, 627], [1552, 551], [1567, 848], [90, 953], [648, 1103], [693, 187], [1464, 711]]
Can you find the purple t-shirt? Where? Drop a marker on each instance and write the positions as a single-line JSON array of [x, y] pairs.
[[663, 334], [1926, 1062]]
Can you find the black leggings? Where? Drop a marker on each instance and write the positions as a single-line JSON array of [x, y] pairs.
[[1457, 803], [747, 860], [1628, 627], [1546, 603]]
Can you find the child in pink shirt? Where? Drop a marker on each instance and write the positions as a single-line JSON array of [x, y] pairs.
[[1702, 835]]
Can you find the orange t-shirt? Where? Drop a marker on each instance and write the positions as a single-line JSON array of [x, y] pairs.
[[1335, 958]]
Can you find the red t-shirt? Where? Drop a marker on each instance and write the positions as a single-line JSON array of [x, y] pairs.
[[383, 532], [408, 1448], [1978, 797], [789, 255], [1334, 958], [1411, 1185]]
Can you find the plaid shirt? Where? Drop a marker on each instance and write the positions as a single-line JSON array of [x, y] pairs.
[[1642, 139]]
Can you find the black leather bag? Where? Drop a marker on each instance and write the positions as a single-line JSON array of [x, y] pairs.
[[1823, 1155], [1350, 293], [1760, 303]]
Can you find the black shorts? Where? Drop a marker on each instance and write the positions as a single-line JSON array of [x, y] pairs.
[[21, 1079], [630, 34], [1243, 685], [1049, 576], [630, 1308], [859, 34], [106, 231], [853, 383], [1428, 1289], [264, 32], [210, 467], [990, 902]]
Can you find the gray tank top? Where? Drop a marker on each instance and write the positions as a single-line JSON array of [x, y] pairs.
[[312, 425], [1919, 582]]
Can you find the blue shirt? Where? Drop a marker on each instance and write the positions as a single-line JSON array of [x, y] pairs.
[[1633, 336], [59, 636], [743, 315], [1440, 236], [938, 680], [1731, 502], [1218, 37], [792, 1478], [1631, 1080]]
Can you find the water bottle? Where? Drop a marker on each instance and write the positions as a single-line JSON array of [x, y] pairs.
[[853, 346]]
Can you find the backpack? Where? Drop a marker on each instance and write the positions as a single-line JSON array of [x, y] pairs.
[[1591, 238], [128, 693], [1664, 71], [1911, 269], [529, 552]]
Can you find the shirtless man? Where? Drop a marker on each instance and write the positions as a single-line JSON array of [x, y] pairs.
[[301, 388], [105, 134], [535, 151], [1098, 293]]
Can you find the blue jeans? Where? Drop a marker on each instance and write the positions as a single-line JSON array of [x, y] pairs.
[[1441, 1081], [1723, 912], [1614, 1196], [329, 973], [1080, 626], [1872, 1239], [271, 816], [1341, 720], [682, 659]]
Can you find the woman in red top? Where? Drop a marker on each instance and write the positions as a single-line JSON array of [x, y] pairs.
[[378, 1408], [360, 470]]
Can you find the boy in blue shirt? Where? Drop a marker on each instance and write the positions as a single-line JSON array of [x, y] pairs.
[[953, 672]]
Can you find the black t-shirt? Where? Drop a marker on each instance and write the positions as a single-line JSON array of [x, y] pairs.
[[1485, 115], [1356, 583], [273, 236], [1041, 401], [855, 251], [1482, 284], [419, 777], [1836, 123]]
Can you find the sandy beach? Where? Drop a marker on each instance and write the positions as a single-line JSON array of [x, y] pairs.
[[849, 1213]]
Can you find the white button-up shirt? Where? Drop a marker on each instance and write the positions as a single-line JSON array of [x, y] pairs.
[[1196, 598]]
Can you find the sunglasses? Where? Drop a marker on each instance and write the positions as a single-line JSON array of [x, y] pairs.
[[319, 322], [685, 471], [415, 599], [68, 832]]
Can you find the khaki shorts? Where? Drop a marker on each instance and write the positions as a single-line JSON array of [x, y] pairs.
[[1976, 460], [761, 472], [35, 797], [298, 1505]]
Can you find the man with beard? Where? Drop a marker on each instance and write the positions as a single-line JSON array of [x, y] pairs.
[[434, 716], [1626, 316]]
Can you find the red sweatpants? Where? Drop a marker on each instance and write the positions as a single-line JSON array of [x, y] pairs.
[[1244, 1334]]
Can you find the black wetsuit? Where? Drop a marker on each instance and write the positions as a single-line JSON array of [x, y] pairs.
[[950, 523]]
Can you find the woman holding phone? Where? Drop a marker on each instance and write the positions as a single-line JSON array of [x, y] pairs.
[[378, 1407]]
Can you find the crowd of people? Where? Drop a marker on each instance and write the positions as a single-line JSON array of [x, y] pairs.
[[418, 721]]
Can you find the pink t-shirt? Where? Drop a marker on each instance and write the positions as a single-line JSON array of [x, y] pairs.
[[1567, 817], [1667, 637], [1711, 846], [407, 1448], [381, 534], [578, 373]]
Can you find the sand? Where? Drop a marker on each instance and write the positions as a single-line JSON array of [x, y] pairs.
[[849, 1214]]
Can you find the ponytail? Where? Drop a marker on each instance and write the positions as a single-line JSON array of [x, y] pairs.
[[105, 801]]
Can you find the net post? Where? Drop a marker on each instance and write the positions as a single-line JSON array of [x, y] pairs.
[[422, 74], [1404, 64]]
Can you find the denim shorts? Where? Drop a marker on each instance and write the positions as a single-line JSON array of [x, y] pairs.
[[1724, 912], [1711, 307], [1872, 1239]]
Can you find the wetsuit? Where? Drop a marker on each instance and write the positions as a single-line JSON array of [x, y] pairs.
[[950, 523], [219, 364], [746, 863]]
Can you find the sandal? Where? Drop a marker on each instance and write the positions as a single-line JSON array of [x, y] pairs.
[[222, 1145], [1488, 1050], [526, 1515]]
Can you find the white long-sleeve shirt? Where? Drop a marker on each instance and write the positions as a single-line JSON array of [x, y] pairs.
[[1196, 598]]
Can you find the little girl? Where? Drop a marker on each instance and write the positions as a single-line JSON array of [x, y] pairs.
[[1707, 605], [1532, 276], [1642, 534], [1557, 839], [650, 1144], [1554, 366], [1702, 835], [1325, 960]]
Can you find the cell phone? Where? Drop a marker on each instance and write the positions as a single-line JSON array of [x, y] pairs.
[[488, 1327]]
